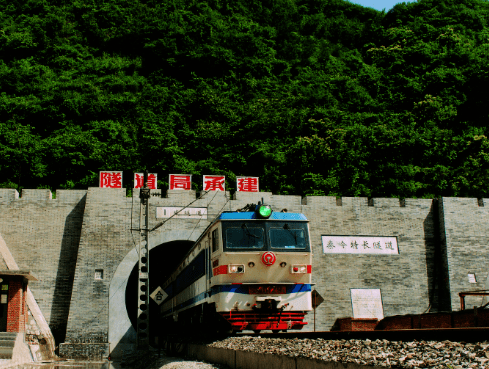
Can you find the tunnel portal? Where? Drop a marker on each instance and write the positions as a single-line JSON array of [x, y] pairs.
[[163, 259]]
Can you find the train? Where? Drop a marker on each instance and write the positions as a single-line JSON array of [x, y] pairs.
[[250, 270]]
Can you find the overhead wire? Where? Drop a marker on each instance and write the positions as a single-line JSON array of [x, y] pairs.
[[201, 216]]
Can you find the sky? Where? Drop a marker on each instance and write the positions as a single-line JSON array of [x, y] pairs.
[[380, 4]]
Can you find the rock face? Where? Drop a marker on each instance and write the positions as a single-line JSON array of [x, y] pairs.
[[415, 354]]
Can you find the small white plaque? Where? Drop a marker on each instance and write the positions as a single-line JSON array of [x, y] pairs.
[[143, 275], [3, 299], [471, 278], [367, 303], [159, 295], [177, 212], [360, 245]]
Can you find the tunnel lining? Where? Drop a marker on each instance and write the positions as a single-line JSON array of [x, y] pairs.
[[122, 335]]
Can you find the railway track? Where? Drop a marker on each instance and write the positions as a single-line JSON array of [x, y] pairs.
[[469, 335]]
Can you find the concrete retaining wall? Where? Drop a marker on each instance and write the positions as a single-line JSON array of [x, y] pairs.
[[236, 359]]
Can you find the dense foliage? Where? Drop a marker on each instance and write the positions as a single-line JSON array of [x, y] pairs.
[[313, 96]]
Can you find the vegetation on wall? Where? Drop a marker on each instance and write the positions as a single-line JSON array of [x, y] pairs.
[[319, 97]]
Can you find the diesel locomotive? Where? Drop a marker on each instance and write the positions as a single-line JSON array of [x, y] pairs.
[[250, 270]]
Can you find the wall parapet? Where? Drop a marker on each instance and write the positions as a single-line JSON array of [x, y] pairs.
[[8, 195]]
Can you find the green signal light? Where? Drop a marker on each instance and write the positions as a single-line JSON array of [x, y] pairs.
[[265, 211]]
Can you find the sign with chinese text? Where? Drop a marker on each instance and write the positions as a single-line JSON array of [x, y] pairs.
[[366, 303], [110, 179], [180, 182], [214, 183], [139, 180], [247, 184], [177, 212], [359, 245], [159, 295]]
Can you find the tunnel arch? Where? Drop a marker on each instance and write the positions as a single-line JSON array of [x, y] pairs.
[[163, 259], [122, 335]]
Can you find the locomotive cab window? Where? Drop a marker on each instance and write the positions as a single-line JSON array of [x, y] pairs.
[[244, 236], [265, 235], [288, 236], [215, 240]]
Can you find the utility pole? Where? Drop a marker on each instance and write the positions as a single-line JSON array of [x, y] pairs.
[[143, 276]]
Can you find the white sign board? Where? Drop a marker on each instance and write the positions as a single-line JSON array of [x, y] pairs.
[[168, 211], [471, 278], [367, 303], [159, 295], [360, 245]]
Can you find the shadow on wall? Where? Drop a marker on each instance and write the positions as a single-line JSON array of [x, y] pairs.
[[436, 261], [66, 272]]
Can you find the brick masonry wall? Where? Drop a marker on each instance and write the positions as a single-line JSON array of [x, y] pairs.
[[403, 279], [43, 236], [465, 233], [64, 240], [16, 305], [107, 238]]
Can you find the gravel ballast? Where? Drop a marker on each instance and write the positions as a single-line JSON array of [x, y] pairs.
[[383, 353]]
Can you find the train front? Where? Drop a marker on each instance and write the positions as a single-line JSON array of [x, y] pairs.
[[261, 271]]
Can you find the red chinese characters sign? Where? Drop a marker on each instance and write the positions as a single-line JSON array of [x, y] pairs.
[[180, 182], [110, 179], [247, 184], [139, 180], [214, 183]]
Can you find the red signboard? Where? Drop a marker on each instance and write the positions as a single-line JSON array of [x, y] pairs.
[[214, 183], [110, 179], [180, 182], [247, 184], [139, 180]]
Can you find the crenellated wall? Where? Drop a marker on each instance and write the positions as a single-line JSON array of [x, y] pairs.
[[67, 240]]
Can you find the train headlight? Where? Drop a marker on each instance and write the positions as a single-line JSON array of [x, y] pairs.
[[236, 268], [264, 211]]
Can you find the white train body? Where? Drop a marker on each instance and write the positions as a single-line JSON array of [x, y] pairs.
[[255, 273]]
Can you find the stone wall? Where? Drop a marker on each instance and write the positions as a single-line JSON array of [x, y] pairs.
[[465, 232], [404, 279], [43, 235], [65, 240]]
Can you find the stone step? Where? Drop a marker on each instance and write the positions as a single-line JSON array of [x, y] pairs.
[[7, 343], [8, 335], [6, 352]]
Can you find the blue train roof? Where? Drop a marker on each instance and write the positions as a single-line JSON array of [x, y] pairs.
[[247, 215]]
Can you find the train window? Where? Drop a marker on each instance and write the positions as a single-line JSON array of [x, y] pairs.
[[215, 240], [288, 238], [244, 237]]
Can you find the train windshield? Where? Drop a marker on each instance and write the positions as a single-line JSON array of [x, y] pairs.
[[244, 237], [288, 237], [265, 235]]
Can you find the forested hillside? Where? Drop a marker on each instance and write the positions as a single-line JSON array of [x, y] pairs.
[[317, 97]]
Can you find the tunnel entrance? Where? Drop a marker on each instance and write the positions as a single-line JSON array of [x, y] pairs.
[[162, 261]]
